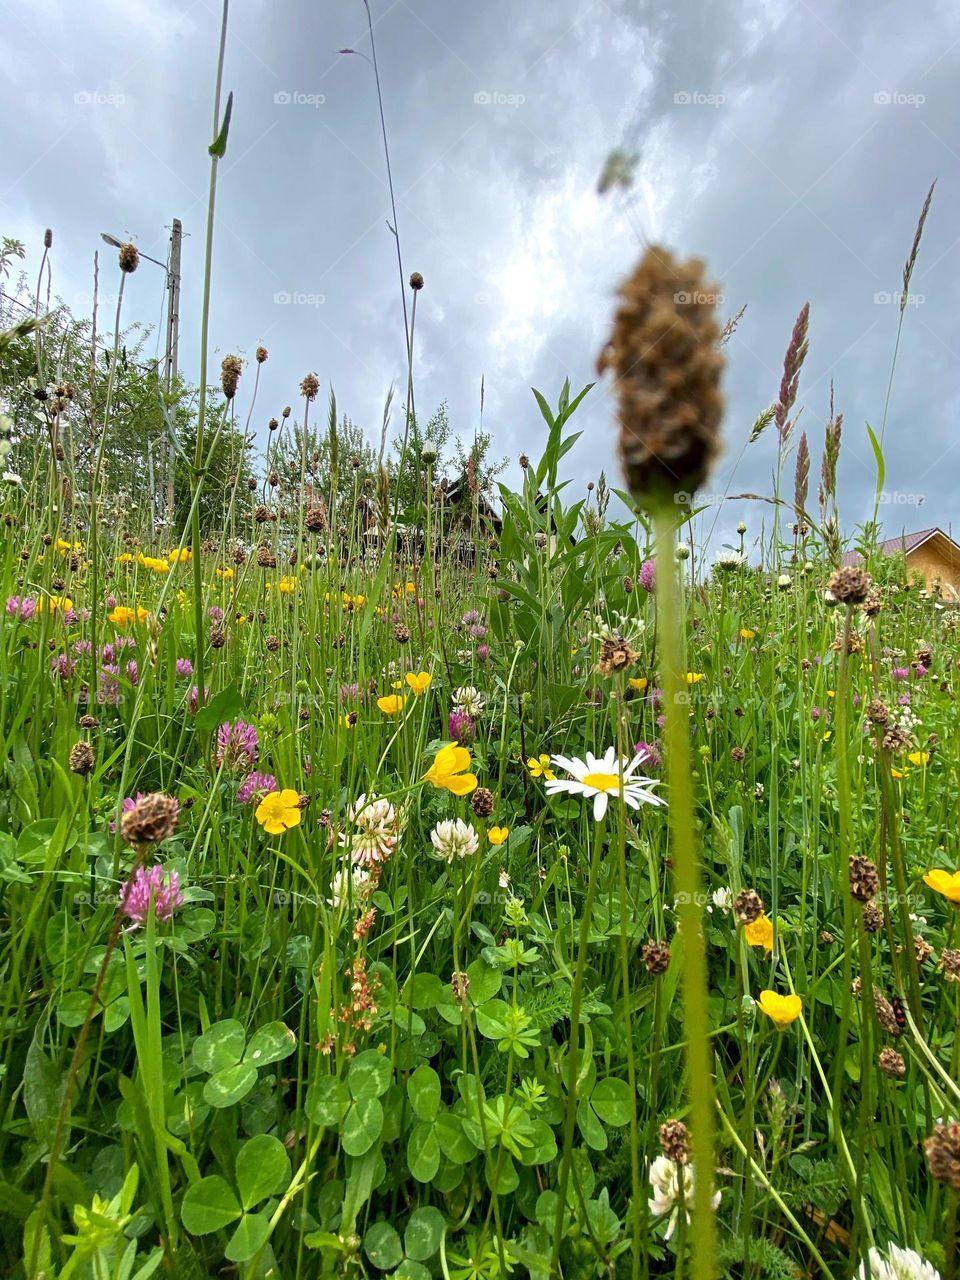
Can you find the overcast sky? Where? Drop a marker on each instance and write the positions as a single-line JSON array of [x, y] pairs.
[[789, 143]]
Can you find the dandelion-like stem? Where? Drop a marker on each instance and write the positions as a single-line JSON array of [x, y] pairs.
[[686, 871]]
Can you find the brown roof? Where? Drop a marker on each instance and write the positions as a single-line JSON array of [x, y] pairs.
[[903, 544]]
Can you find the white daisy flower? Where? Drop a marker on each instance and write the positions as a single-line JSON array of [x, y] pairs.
[[727, 560], [673, 1185], [454, 838], [899, 1264], [601, 777]]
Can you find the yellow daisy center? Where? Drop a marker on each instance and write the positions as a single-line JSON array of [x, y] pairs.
[[602, 781]]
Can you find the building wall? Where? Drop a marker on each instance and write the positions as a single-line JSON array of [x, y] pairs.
[[933, 563]]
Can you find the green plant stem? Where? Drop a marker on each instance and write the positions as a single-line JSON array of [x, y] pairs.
[[573, 1068], [687, 881]]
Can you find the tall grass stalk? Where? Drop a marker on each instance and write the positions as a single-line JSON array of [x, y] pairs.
[[689, 889]]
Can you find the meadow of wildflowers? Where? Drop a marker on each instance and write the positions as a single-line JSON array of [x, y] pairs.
[[388, 892]]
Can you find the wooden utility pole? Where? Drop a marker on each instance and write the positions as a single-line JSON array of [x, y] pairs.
[[173, 342]]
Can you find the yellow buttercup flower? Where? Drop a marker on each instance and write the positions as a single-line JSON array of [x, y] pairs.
[[918, 757], [759, 933], [396, 684], [392, 704], [781, 1010], [897, 774], [122, 615], [126, 558], [418, 682], [694, 677], [447, 771], [498, 835], [63, 547], [946, 883], [639, 683], [226, 573], [539, 767], [278, 811], [747, 633], [831, 693], [287, 585], [54, 603], [180, 555]]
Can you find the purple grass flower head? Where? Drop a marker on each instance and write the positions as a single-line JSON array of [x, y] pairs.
[[82, 648], [163, 886], [461, 727], [648, 574], [655, 696], [133, 671], [470, 617], [903, 700], [109, 684], [69, 617], [919, 671], [21, 609], [62, 665], [350, 693], [111, 602], [255, 786], [183, 668], [215, 612], [193, 698], [478, 631], [901, 673], [483, 652], [237, 745], [108, 653], [652, 755], [815, 713]]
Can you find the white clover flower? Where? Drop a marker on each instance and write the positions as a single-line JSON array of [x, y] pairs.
[[10, 477], [454, 838], [673, 1185], [682, 551], [899, 1264], [376, 830], [349, 883], [722, 899], [783, 581], [469, 699]]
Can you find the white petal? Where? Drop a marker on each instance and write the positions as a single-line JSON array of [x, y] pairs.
[[599, 805]]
